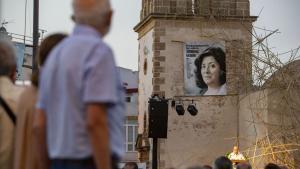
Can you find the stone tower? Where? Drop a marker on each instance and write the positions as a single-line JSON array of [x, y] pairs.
[[165, 29]]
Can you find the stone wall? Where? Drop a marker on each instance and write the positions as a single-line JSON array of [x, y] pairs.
[[196, 140], [166, 25], [269, 126], [269, 119], [196, 7], [145, 85], [169, 38], [213, 131]]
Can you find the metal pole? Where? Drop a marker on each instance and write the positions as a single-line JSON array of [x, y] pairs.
[[238, 126], [154, 154], [35, 34]]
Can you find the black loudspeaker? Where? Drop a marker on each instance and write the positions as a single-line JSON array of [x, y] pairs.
[[158, 118]]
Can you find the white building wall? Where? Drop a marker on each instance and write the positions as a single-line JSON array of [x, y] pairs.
[[129, 79], [145, 75]]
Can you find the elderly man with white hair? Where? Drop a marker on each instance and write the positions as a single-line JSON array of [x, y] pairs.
[[9, 98], [80, 109]]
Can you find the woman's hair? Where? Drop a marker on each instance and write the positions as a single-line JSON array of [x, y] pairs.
[[219, 56], [44, 50], [47, 45]]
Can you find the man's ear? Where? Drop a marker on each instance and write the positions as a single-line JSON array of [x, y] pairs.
[[73, 18], [109, 18], [13, 75]]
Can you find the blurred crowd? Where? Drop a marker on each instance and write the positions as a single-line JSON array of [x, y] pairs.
[[71, 117], [223, 162]]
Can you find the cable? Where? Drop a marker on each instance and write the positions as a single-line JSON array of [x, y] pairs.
[[25, 21]]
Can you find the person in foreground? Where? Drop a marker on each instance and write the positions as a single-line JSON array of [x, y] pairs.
[[131, 165], [222, 163], [25, 155], [272, 166], [9, 96], [80, 109], [211, 72]]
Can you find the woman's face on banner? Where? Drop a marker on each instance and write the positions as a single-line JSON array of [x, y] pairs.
[[210, 71]]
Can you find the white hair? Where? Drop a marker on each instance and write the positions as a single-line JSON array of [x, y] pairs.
[[91, 12]]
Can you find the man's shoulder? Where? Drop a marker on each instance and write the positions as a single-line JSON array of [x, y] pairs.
[[81, 42], [12, 94], [85, 38], [10, 89]]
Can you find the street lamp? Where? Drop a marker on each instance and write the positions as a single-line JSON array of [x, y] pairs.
[[180, 108], [192, 110]]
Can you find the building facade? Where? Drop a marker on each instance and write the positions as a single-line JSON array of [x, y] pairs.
[[168, 30], [261, 120], [130, 82]]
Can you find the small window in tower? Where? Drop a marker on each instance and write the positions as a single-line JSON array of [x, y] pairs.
[[128, 99], [145, 67]]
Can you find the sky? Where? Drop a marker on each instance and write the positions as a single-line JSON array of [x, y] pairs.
[[282, 15], [55, 17]]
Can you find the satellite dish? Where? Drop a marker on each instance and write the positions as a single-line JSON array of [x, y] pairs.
[[2, 29]]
